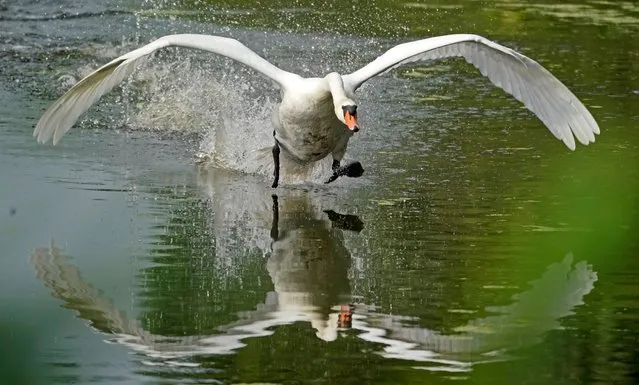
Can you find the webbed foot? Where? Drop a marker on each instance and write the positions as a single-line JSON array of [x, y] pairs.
[[352, 170]]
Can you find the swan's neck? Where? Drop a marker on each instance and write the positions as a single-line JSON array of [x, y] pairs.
[[336, 86]]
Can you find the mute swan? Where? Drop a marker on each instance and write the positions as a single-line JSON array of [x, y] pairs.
[[317, 116]]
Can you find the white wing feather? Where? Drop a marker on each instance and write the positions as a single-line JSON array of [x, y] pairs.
[[525, 79], [63, 113]]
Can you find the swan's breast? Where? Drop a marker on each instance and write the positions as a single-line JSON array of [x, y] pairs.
[[307, 126]]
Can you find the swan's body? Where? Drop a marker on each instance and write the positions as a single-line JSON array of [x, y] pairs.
[[310, 134], [317, 116]]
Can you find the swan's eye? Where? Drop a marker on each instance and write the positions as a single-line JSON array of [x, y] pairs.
[[351, 109]]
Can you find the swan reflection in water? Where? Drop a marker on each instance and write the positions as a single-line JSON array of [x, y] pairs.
[[308, 263]]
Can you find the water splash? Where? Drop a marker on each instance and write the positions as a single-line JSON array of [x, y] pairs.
[[228, 107]]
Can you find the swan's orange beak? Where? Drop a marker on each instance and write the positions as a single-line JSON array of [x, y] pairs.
[[351, 121]]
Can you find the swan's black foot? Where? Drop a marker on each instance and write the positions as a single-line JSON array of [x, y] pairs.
[[352, 170]]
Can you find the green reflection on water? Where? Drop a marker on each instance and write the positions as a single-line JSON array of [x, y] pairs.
[[307, 264]]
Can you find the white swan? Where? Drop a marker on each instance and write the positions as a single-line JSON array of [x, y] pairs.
[[317, 116]]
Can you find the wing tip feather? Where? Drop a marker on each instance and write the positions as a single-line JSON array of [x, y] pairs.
[[570, 144]]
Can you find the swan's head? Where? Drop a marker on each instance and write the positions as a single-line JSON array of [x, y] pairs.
[[345, 107], [347, 114]]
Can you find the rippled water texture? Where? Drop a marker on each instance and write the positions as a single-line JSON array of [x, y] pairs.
[[475, 248]]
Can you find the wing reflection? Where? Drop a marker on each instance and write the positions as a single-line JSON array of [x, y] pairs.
[[533, 313], [308, 262]]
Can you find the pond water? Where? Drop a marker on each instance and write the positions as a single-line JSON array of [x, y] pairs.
[[475, 248]]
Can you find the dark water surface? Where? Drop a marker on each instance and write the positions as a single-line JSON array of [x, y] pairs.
[[475, 248]]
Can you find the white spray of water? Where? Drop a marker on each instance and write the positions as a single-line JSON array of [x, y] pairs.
[[182, 92]]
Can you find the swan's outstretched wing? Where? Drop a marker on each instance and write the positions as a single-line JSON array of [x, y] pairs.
[[61, 115], [525, 79]]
